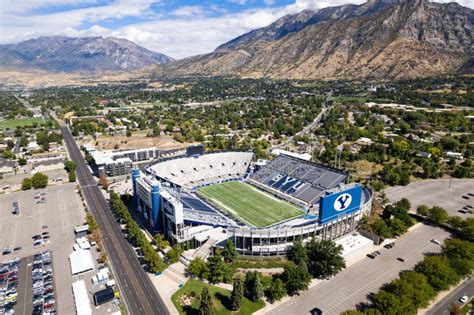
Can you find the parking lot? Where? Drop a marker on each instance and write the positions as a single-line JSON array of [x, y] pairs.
[[351, 286], [437, 192], [54, 213]]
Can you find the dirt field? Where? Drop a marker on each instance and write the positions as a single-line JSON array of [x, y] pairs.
[[136, 141]]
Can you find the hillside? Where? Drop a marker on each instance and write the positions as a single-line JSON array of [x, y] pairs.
[[87, 54], [379, 39]]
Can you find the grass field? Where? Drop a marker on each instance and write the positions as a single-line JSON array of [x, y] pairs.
[[249, 204], [220, 300], [23, 122]]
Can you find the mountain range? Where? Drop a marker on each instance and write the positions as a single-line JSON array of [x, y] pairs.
[[380, 39], [85, 54]]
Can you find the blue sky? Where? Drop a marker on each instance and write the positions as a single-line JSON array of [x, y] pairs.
[[178, 28]]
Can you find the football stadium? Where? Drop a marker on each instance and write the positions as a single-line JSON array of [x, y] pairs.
[[262, 206]]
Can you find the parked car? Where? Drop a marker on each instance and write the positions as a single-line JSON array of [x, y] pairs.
[[400, 259], [464, 299], [436, 241]]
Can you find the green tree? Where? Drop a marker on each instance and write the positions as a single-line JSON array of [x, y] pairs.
[[391, 304], [414, 286], [216, 268], [72, 176], [467, 230], [160, 241], [23, 141], [277, 290], [296, 277], [460, 255], [423, 210], [69, 165], [456, 222], [397, 226], [39, 180], [381, 228], [437, 215], [324, 258], [26, 184], [198, 268], [229, 252], [8, 154], [298, 253], [90, 220], [237, 294], [205, 308], [253, 286], [437, 270]]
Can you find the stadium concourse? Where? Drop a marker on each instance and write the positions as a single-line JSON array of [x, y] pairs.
[[261, 207]]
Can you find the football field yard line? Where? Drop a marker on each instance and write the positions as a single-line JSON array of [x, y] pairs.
[[248, 204]]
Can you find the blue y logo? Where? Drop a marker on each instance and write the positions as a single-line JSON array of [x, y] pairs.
[[342, 202]]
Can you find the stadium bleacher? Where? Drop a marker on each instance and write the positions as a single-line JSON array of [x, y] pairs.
[[189, 172], [299, 179]]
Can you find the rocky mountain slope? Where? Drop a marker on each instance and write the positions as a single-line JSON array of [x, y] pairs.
[[87, 54], [379, 39]]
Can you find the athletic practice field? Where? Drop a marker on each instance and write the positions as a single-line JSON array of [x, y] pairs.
[[249, 204]]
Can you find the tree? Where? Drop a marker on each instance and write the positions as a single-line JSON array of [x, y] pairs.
[[437, 270], [198, 268], [205, 308], [237, 294], [216, 269], [277, 290], [298, 253], [397, 226], [39, 180], [103, 181], [381, 228], [455, 309], [253, 286], [22, 161], [456, 222], [391, 304], [160, 241], [229, 252], [72, 176], [69, 165], [23, 141], [460, 255], [90, 220], [324, 258], [8, 154], [437, 215], [26, 184], [414, 286], [467, 230], [296, 277], [422, 210], [173, 254]]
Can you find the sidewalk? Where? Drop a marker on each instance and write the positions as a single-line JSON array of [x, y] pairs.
[[168, 283]]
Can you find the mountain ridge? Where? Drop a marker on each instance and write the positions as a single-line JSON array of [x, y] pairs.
[[79, 54], [378, 39]]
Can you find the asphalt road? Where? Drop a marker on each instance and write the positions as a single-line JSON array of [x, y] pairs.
[[443, 306], [138, 292], [351, 286]]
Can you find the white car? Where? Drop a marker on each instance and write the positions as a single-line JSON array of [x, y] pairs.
[[436, 241], [464, 299]]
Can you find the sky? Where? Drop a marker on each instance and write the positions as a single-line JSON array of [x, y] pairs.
[[177, 28]]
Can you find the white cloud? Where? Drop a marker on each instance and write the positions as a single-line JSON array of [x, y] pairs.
[[190, 30], [189, 10]]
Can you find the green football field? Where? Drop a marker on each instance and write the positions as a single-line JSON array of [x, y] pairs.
[[249, 204]]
